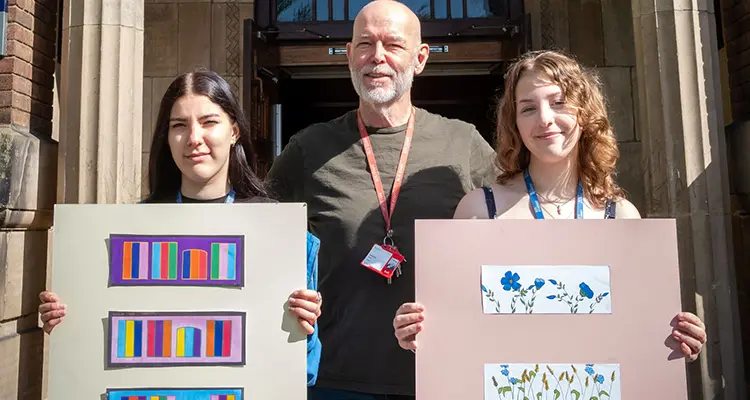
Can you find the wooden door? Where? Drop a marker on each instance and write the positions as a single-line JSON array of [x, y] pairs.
[[260, 84]]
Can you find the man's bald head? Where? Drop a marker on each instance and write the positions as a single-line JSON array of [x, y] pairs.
[[392, 15]]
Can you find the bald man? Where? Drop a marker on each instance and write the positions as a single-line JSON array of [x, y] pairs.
[[336, 168]]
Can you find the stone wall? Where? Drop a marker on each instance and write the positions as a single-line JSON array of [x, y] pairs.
[[181, 35], [578, 27], [27, 190], [736, 30]]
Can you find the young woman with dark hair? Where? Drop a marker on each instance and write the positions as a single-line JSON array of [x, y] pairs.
[[201, 152]]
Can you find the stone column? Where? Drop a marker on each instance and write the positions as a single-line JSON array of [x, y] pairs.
[[101, 101], [680, 120]]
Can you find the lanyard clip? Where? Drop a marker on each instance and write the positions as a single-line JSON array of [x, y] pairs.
[[388, 239]]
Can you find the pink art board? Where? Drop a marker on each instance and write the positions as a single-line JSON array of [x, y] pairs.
[[459, 338]]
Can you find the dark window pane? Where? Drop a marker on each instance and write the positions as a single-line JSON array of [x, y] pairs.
[[420, 7], [338, 10], [457, 9], [294, 10], [322, 10], [441, 9], [486, 8]]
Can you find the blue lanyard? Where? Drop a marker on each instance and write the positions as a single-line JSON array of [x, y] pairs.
[[229, 199], [535, 199]]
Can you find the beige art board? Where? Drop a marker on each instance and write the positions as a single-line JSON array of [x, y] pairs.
[[548, 309], [194, 303]]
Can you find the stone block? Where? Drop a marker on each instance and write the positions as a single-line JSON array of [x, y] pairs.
[[21, 359], [630, 174], [618, 90], [219, 37], [194, 43], [161, 40], [738, 147], [28, 180], [23, 265], [586, 31], [617, 26]]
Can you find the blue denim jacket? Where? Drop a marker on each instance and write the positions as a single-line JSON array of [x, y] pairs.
[[313, 341]]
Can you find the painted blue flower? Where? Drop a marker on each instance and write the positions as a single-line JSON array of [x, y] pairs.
[[600, 378], [513, 381], [586, 290], [538, 282], [504, 372], [505, 366], [551, 297], [589, 370], [552, 281], [484, 289], [605, 294], [510, 281]]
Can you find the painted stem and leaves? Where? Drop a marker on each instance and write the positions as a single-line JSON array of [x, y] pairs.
[[567, 384], [524, 298]]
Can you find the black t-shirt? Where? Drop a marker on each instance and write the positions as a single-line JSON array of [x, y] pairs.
[[325, 166], [222, 199]]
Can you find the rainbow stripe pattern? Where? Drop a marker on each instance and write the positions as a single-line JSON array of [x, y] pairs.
[[135, 260], [223, 261], [130, 339], [164, 260], [159, 338], [193, 393], [218, 338], [194, 264], [188, 342]]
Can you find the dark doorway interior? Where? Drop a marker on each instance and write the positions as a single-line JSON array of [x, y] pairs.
[[471, 98]]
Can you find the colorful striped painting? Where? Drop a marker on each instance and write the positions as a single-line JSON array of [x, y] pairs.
[[159, 338], [195, 264], [162, 260], [218, 338], [223, 261], [176, 338], [188, 342], [134, 260], [176, 394], [129, 342]]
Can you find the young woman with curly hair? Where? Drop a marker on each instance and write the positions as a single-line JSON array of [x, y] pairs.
[[557, 153]]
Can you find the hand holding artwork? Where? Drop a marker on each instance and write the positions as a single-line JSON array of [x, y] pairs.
[[407, 324], [306, 305], [688, 335], [51, 310]]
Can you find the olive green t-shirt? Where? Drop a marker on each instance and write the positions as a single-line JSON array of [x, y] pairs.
[[325, 166]]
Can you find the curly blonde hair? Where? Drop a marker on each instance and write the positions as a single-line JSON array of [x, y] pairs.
[[582, 90]]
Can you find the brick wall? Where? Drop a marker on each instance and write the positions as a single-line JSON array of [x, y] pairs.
[[27, 190]]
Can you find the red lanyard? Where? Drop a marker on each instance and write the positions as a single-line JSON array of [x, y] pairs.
[[376, 174]]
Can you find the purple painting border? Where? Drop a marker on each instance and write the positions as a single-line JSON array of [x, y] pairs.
[[111, 363], [116, 255]]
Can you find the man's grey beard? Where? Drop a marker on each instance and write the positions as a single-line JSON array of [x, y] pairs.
[[401, 83]]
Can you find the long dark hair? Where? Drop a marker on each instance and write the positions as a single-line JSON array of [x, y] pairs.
[[164, 178]]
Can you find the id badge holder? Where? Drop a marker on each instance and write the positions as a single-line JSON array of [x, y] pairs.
[[385, 259]]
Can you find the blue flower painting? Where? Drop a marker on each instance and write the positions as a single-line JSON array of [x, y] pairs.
[[552, 381], [545, 289]]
